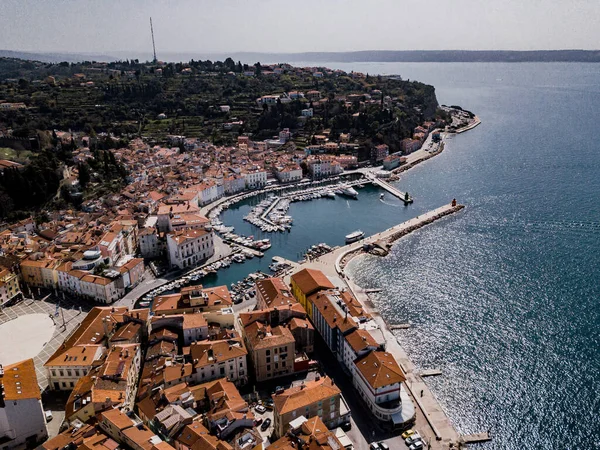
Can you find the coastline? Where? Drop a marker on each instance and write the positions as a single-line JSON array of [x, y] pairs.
[[429, 417]]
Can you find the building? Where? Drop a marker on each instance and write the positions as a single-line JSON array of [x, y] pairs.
[[219, 359], [76, 357], [308, 433], [9, 286], [22, 422], [255, 178], [378, 379], [288, 173], [193, 299], [273, 292], [306, 282], [392, 161], [319, 398], [112, 383], [271, 349], [379, 153], [187, 248], [234, 184], [128, 430], [150, 246], [356, 345]]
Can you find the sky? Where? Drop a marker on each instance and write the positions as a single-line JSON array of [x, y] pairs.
[[105, 26]]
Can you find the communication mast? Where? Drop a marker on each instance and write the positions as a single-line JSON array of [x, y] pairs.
[[153, 46]]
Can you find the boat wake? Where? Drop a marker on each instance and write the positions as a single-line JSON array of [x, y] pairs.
[[388, 203]]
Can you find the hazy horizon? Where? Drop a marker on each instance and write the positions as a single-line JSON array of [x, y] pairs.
[[269, 26]]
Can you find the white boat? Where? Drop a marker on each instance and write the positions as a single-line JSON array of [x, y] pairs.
[[348, 191], [355, 236], [330, 194]]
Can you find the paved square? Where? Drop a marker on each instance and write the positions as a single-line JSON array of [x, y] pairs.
[[24, 328], [25, 337]]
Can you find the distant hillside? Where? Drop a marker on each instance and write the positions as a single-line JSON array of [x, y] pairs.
[[428, 56], [325, 57], [55, 57]]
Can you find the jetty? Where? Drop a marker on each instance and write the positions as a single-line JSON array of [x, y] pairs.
[[431, 373], [399, 326], [475, 438], [407, 199]]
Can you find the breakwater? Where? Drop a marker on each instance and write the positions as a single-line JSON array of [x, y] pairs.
[[380, 243]]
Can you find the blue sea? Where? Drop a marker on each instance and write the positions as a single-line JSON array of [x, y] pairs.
[[504, 296]]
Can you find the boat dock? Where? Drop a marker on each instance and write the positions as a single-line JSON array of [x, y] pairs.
[[407, 199], [431, 373], [475, 438], [400, 326]]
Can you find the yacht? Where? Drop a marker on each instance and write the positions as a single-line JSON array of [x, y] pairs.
[[348, 191], [355, 236]]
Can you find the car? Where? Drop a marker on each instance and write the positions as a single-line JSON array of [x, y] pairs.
[[48, 415], [279, 390], [412, 438], [265, 425], [384, 446], [347, 426], [260, 409], [374, 446], [258, 421], [408, 433], [417, 445]]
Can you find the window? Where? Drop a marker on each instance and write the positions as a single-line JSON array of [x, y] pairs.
[[269, 368], [69, 373], [283, 364], [64, 384], [62, 374], [54, 373], [268, 360]]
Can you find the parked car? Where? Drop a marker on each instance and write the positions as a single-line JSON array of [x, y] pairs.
[[417, 445], [347, 426], [265, 424], [408, 433], [48, 415], [279, 389], [374, 446], [412, 438], [258, 421], [384, 446], [260, 409]]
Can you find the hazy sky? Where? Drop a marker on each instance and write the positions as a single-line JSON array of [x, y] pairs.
[[297, 26]]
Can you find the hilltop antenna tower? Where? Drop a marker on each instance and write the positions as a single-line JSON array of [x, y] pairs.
[[153, 46]]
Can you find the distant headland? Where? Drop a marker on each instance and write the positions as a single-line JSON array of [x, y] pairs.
[[590, 56]]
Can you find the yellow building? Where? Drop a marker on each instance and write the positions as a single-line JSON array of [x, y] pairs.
[[9, 286], [40, 272], [307, 282]]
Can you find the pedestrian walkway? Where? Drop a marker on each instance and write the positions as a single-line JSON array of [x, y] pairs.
[[431, 420]]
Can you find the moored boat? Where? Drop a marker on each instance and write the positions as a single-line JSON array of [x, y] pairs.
[[355, 236]]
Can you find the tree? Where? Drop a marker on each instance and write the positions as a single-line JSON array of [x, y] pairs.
[[84, 175]]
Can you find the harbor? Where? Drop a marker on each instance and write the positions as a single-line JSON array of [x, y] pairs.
[[430, 420]]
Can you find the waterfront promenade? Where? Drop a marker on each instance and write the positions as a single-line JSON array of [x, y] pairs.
[[431, 420]]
